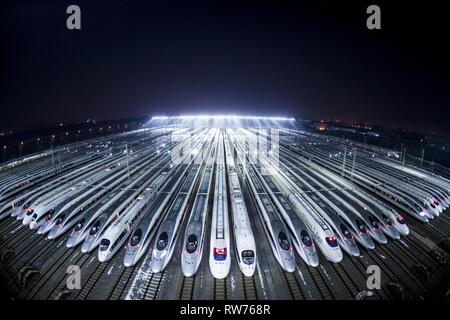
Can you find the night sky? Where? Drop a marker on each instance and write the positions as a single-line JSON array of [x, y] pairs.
[[133, 58]]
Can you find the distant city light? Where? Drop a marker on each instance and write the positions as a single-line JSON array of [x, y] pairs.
[[221, 117]]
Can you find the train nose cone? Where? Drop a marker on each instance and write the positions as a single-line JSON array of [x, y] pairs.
[[393, 233], [130, 255], [353, 248], [71, 241], [33, 225], [42, 229], [429, 214], [336, 255], [368, 242], [248, 271], [289, 266], [313, 259], [156, 266], [128, 261], [188, 265], [103, 256], [75, 238], [188, 270], [379, 236], [53, 233], [15, 212], [288, 259], [26, 220], [86, 247]]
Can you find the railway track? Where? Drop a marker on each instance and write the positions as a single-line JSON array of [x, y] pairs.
[[29, 262], [249, 284], [220, 289], [346, 278], [322, 286], [36, 287], [439, 230], [58, 289], [392, 275], [92, 280], [26, 249], [124, 279], [294, 286], [9, 226], [432, 276], [187, 288], [405, 269], [383, 292], [442, 221], [153, 286], [426, 254], [22, 234]]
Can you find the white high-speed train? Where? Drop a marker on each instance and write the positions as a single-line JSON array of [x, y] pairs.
[[116, 235], [168, 230], [219, 252], [194, 236], [245, 246]]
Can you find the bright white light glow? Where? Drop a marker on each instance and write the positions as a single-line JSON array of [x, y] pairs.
[[222, 117]]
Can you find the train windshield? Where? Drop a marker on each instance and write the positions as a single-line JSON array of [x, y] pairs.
[[162, 241], [361, 227], [283, 241], [332, 242], [95, 228], [401, 220], [137, 235], [248, 256], [220, 254], [191, 244], [104, 244], [346, 232], [79, 225], [59, 220], [306, 238], [387, 219], [374, 223], [49, 216]]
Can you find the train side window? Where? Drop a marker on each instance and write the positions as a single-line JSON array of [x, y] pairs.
[[124, 232]]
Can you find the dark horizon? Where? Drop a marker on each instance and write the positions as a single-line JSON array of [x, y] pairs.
[[314, 61]]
